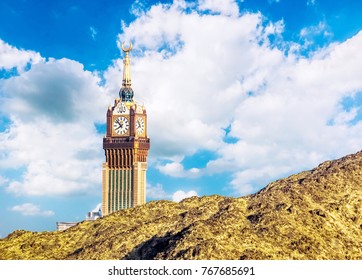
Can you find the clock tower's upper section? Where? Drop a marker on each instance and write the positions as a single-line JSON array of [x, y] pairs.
[[126, 119]]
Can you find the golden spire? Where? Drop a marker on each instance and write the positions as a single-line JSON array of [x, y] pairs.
[[126, 70], [126, 92]]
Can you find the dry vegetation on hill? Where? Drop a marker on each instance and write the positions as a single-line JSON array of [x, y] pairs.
[[316, 214]]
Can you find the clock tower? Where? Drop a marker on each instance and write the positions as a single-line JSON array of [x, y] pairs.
[[126, 148]]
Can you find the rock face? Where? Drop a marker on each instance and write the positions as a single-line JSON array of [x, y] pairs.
[[316, 214]]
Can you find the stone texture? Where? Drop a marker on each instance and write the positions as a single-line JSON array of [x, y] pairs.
[[315, 214]]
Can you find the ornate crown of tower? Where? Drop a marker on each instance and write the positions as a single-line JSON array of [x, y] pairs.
[[126, 148]]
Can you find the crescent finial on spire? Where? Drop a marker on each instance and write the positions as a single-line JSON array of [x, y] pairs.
[[126, 49]]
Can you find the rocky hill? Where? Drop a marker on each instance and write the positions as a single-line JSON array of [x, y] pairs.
[[316, 214]]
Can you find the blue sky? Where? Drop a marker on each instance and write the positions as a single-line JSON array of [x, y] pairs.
[[238, 94]]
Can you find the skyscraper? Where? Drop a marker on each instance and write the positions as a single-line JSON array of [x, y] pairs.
[[126, 148]]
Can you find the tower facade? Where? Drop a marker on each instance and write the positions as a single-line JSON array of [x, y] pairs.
[[126, 148]]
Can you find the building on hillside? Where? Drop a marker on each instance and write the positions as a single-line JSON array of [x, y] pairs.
[[65, 225], [94, 215]]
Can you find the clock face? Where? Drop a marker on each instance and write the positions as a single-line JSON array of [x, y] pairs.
[[140, 125], [121, 125]]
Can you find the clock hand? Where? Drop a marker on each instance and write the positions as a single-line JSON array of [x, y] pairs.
[[120, 123]]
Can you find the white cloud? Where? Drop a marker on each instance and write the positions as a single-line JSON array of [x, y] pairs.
[[311, 2], [53, 108], [97, 208], [284, 110], [224, 7], [57, 90], [93, 32], [186, 77], [176, 169], [11, 57], [288, 129], [156, 192], [314, 29], [3, 181], [30, 209], [180, 195], [309, 33]]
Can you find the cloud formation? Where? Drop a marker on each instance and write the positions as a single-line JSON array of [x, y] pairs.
[[176, 169], [3, 181], [157, 192], [30, 209], [209, 74], [11, 57], [52, 110], [180, 195], [224, 7], [284, 110]]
